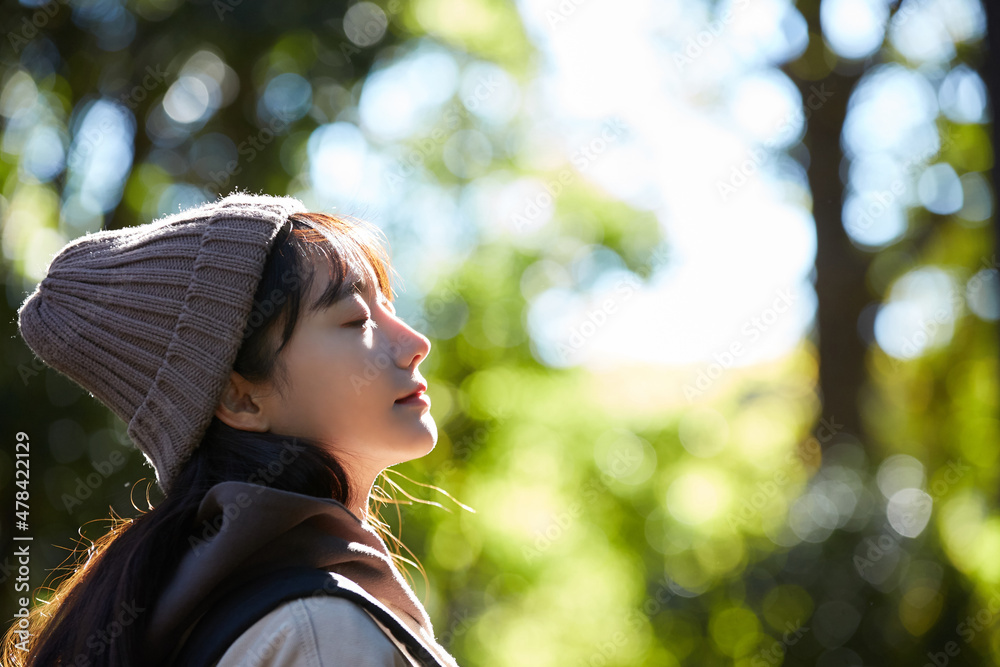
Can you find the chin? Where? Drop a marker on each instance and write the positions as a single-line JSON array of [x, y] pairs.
[[420, 444], [431, 437]]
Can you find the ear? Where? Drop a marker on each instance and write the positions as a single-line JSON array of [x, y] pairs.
[[239, 405]]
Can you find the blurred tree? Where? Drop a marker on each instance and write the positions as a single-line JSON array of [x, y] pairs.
[[841, 268], [991, 76], [849, 282], [707, 541]]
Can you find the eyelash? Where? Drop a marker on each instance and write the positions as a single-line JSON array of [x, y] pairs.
[[374, 324]]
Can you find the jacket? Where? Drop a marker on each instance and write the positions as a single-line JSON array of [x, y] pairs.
[[248, 529], [293, 634]]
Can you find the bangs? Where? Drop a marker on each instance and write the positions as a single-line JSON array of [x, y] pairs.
[[353, 252]]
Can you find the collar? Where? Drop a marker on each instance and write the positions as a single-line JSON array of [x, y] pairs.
[[246, 529]]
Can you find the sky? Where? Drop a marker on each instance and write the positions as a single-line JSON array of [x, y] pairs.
[[712, 149], [671, 106]]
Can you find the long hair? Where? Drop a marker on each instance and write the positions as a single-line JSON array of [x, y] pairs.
[[128, 567]]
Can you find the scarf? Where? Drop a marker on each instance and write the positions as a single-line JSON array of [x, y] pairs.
[[248, 529]]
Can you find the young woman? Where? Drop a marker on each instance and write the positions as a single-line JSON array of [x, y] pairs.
[[255, 354]]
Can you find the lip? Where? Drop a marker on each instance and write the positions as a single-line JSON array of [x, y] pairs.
[[417, 397]]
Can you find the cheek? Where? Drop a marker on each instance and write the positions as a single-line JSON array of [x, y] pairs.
[[334, 376], [341, 381], [323, 406], [324, 382]]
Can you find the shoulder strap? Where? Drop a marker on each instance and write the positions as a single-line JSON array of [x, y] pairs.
[[240, 608]]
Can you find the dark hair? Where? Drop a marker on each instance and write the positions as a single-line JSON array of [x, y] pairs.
[[131, 564]]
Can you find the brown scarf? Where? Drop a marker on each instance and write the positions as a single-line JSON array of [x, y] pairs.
[[266, 528]]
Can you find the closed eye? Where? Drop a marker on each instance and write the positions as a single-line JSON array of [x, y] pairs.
[[363, 323]]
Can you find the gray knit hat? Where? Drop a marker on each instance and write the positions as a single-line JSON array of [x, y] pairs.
[[149, 319]]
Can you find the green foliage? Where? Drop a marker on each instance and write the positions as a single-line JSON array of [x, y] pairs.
[[615, 523]]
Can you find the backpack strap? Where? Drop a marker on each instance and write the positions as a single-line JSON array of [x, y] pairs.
[[236, 610]]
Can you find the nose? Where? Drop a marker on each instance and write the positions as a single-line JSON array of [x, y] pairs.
[[421, 347], [409, 346]]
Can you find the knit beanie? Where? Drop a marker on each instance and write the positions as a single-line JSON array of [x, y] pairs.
[[149, 319]]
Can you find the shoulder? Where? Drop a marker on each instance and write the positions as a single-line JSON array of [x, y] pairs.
[[321, 631]]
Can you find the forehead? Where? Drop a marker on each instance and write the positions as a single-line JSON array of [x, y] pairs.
[[363, 283], [327, 290]]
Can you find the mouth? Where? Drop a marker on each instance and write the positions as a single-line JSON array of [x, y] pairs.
[[417, 396]]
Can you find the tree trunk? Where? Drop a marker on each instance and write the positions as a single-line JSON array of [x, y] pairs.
[[841, 268], [991, 75]]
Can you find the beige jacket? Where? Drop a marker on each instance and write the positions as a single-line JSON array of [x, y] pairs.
[[323, 631], [251, 529]]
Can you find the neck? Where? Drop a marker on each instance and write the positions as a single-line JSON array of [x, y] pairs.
[[357, 502], [360, 510]]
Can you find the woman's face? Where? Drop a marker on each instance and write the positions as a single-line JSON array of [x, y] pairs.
[[345, 368]]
